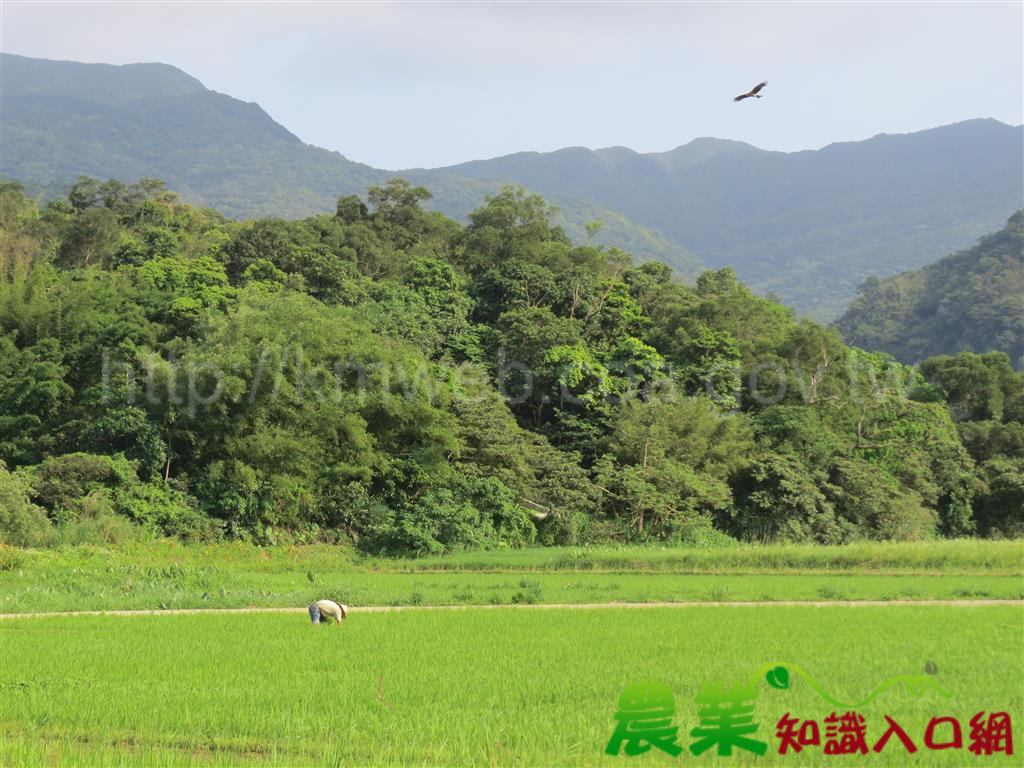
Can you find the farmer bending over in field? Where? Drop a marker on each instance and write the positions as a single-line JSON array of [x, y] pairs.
[[329, 609]]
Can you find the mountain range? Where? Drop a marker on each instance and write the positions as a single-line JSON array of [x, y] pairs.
[[807, 226]]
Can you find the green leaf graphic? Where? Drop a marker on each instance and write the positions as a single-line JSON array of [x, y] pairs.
[[778, 678]]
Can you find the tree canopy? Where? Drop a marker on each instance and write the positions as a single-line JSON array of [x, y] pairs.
[[389, 377], [968, 301]]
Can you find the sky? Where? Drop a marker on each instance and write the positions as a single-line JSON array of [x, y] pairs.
[[424, 84]]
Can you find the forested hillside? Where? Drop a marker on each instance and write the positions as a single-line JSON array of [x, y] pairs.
[[63, 119], [385, 375], [808, 226], [969, 301]]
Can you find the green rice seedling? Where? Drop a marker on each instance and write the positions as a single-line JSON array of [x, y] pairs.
[[505, 686]]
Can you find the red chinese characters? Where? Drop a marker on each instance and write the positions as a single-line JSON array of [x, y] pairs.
[[808, 735], [848, 734], [991, 735], [844, 735]]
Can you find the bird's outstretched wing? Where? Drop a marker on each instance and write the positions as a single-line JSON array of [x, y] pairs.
[[752, 92]]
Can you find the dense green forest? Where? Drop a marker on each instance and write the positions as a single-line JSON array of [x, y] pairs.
[[969, 301], [807, 226], [387, 376]]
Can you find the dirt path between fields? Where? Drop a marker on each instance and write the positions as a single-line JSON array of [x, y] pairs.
[[391, 608]]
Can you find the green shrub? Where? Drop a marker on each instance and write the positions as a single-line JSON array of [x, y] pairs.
[[66, 485], [876, 505], [166, 510], [479, 513], [98, 525], [10, 558], [1001, 502], [530, 593], [700, 533], [560, 528], [62, 483], [22, 523], [906, 519]]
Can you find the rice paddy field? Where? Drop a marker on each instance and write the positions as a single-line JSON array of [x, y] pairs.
[[520, 680], [482, 687]]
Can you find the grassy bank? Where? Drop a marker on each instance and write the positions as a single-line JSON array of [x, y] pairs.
[[170, 575], [966, 555]]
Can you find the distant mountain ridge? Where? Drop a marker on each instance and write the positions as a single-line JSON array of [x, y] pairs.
[[809, 226], [62, 119], [107, 83]]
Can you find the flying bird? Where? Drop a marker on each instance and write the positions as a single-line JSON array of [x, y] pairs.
[[753, 92]]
